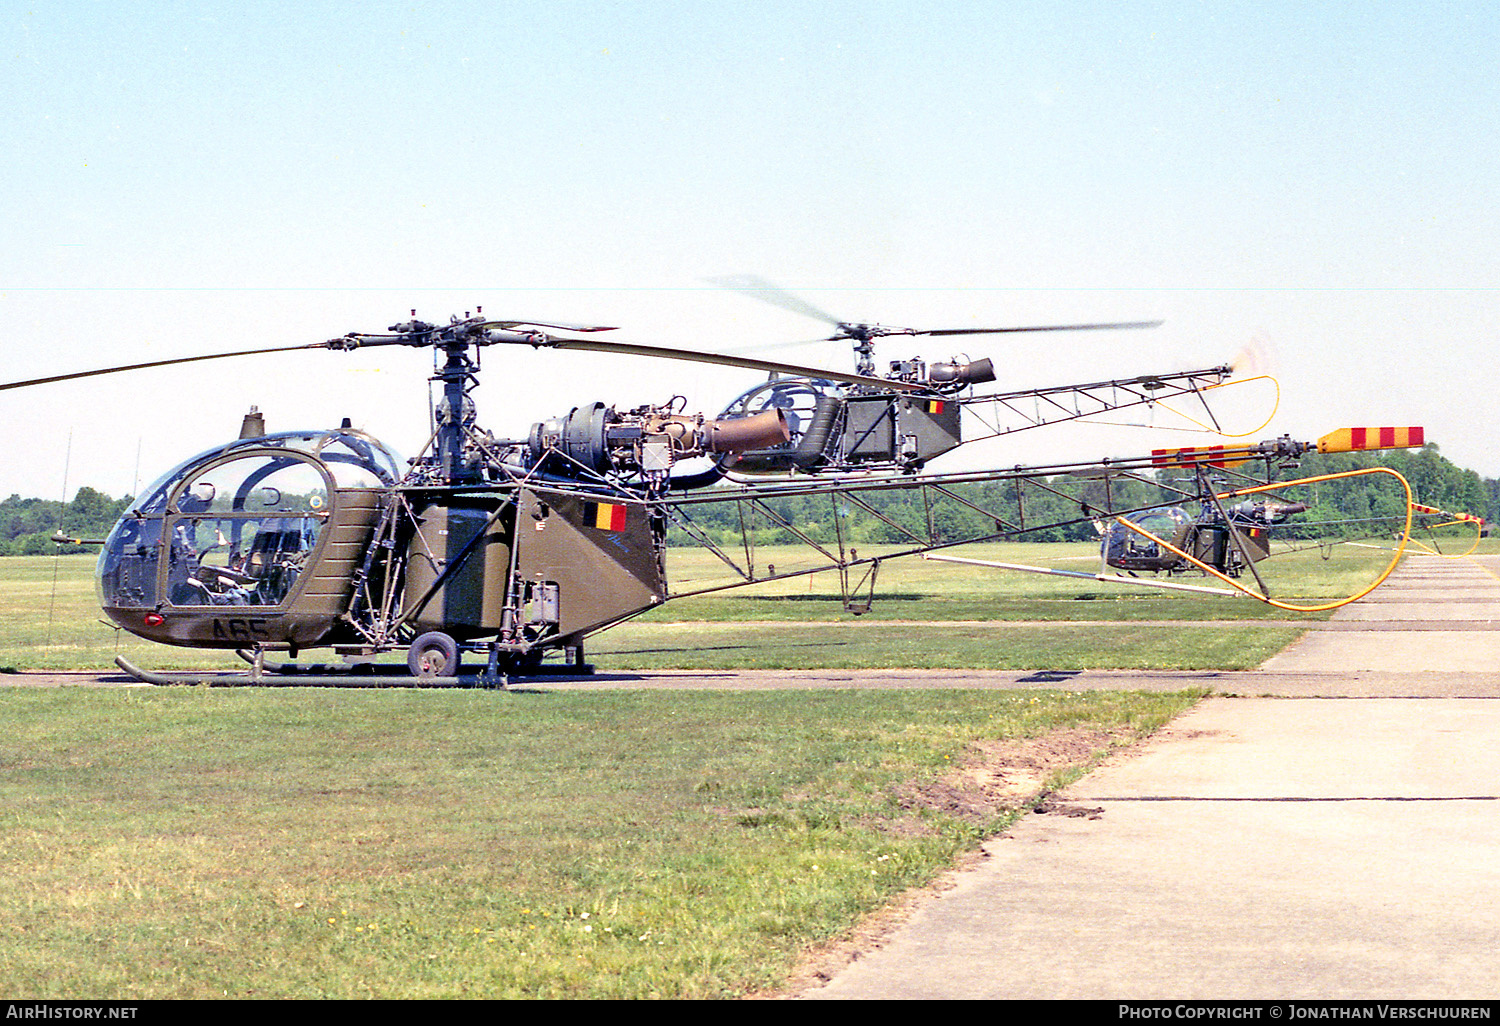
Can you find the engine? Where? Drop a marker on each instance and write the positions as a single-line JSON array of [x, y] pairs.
[[647, 441]]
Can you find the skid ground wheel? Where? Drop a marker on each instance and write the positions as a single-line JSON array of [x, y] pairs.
[[433, 654]]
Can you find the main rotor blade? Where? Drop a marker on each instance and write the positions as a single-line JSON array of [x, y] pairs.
[[781, 345], [723, 360], [883, 332], [1048, 327], [766, 292], [555, 325], [156, 363]]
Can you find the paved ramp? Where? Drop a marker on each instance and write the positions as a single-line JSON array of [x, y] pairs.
[[1432, 615], [1260, 848]]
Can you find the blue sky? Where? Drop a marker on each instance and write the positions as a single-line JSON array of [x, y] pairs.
[[185, 178]]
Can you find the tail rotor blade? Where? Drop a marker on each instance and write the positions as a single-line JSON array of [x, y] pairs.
[[720, 359]]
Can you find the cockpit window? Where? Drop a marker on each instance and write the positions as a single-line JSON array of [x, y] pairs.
[[221, 530], [240, 532], [355, 459], [1128, 549], [256, 484], [236, 561]]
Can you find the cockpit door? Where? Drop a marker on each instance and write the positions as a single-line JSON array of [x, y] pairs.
[[241, 531]]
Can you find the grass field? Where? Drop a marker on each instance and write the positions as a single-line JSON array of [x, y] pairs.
[[968, 617], [201, 843], [912, 588]]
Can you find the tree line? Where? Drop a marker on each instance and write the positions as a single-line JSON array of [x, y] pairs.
[[27, 525], [1050, 510], [1064, 508]]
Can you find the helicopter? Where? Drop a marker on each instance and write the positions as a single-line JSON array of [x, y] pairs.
[[1221, 541], [836, 428], [513, 549]]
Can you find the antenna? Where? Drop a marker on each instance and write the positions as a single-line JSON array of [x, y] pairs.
[[57, 554]]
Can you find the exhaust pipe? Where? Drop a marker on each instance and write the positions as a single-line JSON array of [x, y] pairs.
[[975, 373], [743, 434]]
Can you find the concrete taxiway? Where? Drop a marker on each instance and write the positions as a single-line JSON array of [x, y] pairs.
[[1336, 844]]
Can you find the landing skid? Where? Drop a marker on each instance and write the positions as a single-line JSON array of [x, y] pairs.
[[321, 675]]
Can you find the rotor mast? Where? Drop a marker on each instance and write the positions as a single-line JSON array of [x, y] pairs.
[[456, 412], [454, 415]]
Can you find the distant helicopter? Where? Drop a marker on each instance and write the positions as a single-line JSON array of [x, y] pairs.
[[1223, 541], [506, 550], [835, 428]]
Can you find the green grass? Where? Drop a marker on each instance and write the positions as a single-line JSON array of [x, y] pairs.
[[200, 843], [864, 645], [965, 616], [912, 588], [50, 619]]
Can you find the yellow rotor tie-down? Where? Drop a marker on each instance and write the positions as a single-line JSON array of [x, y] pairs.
[[1400, 549]]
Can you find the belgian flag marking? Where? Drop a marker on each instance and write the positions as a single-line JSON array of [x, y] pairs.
[[604, 516], [934, 406]]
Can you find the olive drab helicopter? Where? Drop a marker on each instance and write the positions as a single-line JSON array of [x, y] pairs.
[[505, 551]]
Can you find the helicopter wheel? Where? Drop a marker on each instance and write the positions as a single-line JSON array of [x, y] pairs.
[[433, 654]]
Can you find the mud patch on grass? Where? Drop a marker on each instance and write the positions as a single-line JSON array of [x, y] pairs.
[[1001, 776]]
